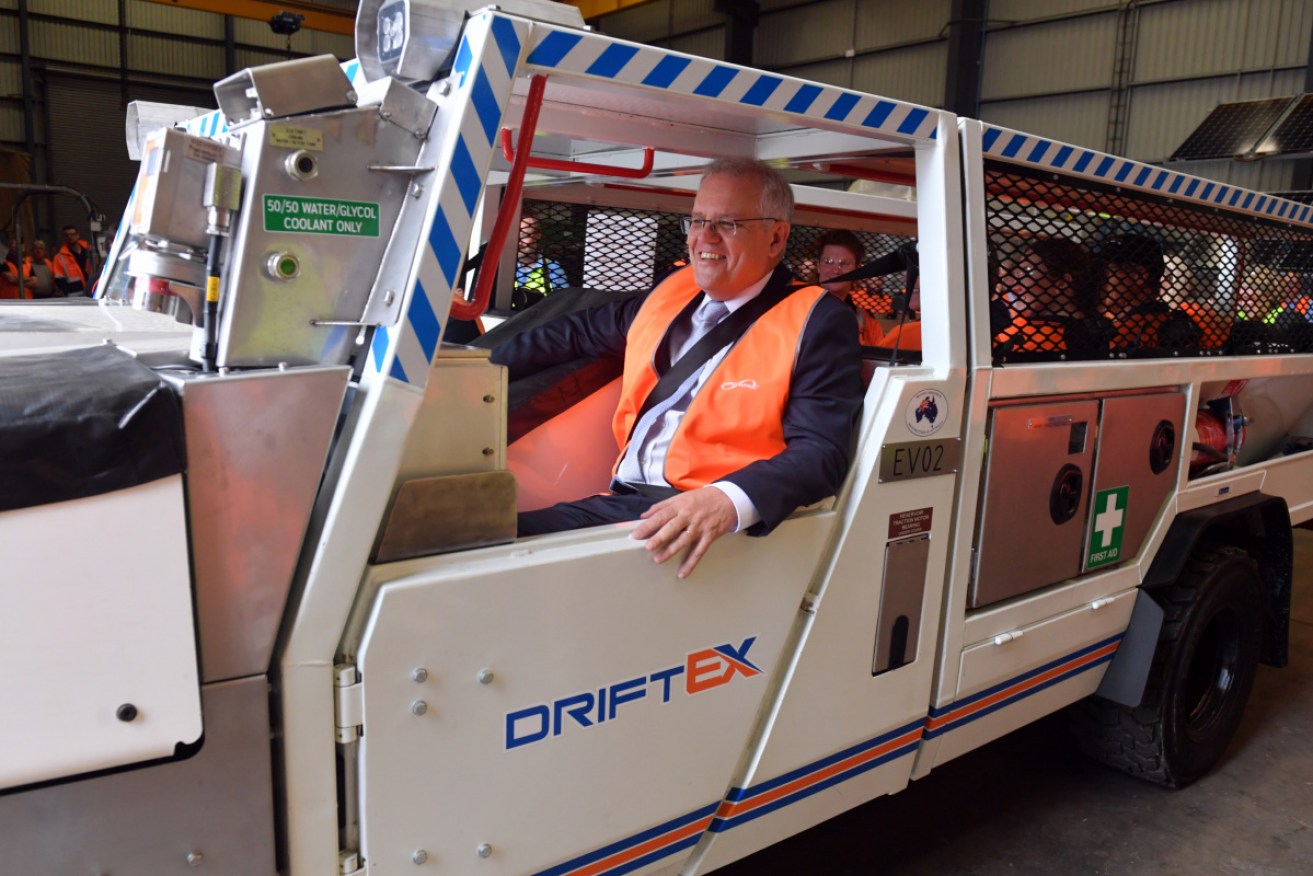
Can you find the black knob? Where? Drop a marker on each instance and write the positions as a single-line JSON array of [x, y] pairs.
[[1064, 497], [1162, 446], [126, 712]]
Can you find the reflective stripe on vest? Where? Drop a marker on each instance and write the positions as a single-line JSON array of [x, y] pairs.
[[538, 279], [737, 417], [66, 266]]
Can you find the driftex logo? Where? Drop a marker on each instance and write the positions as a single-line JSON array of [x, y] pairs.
[[701, 671]]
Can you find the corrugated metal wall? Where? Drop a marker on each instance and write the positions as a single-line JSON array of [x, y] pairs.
[[1051, 67], [84, 72]]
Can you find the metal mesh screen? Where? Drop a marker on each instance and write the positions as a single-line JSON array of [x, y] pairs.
[[623, 249], [1083, 271]]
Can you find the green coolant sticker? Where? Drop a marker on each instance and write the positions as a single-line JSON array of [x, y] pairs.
[[1106, 527], [320, 216]]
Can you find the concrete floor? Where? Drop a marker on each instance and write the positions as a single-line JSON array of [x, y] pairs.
[[1030, 804]]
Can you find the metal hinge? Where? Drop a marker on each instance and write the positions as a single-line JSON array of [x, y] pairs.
[[350, 702], [348, 863]]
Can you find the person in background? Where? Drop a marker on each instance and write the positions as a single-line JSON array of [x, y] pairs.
[[840, 252], [11, 269], [1050, 295], [1133, 276], [536, 276], [39, 267], [73, 263], [727, 435]]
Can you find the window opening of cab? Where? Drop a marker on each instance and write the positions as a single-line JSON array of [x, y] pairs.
[[624, 249], [1080, 270]]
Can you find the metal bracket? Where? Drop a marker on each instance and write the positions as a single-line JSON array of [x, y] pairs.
[[348, 863], [349, 703]]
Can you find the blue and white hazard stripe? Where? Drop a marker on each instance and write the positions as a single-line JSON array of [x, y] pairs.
[[562, 50], [482, 76], [1020, 148]]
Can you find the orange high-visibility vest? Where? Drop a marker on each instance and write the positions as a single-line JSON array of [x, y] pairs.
[[9, 290], [1215, 326], [737, 417], [905, 337], [869, 330], [66, 267], [1033, 336]]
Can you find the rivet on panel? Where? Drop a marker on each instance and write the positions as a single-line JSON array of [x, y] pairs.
[[484, 850], [420, 675], [485, 676], [194, 859], [419, 707], [420, 856]]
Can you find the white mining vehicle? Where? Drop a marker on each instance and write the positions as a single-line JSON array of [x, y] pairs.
[[262, 601]]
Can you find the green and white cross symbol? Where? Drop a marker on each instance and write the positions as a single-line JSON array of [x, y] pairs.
[[1106, 525]]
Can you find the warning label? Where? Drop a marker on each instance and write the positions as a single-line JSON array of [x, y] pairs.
[[905, 523], [320, 216]]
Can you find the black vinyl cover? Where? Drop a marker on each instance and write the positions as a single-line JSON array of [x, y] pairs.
[[82, 423]]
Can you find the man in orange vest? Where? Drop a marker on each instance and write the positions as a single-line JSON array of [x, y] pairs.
[[38, 266], [840, 252], [15, 283], [720, 435], [1133, 275], [72, 263]]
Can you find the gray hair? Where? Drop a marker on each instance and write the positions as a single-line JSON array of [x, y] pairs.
[[776, 196]]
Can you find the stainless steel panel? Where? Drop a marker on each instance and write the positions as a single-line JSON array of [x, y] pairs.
[[265, 319], [172, 181], [256, 445], [896, 631], [1020, 547], [216, 805], [1126, 430], [461, 426], [288, 88], [919, 459]]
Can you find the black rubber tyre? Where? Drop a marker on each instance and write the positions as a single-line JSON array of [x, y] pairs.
[[1202, 673]]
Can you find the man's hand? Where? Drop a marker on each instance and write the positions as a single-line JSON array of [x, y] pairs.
[[690, 521]]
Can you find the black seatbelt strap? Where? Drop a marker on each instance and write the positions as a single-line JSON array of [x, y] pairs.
[[726, 332]]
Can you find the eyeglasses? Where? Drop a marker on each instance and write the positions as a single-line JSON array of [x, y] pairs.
[[724, 227], [843, 263]]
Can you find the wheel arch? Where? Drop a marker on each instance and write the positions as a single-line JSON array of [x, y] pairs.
[[1256, 523]]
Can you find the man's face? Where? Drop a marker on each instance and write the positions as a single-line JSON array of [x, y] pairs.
[[530, 234], [70, 236], [836, 260], [1126, 286], [725, 265], [38, 250], [1028, 286]]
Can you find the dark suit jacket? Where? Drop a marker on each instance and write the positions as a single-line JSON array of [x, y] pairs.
[[825, 396]]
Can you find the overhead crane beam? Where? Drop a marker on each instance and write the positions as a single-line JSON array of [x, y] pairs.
[[331, 19]]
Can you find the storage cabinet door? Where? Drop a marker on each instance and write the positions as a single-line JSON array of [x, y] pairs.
[[1038, 474], [1139, 454]]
